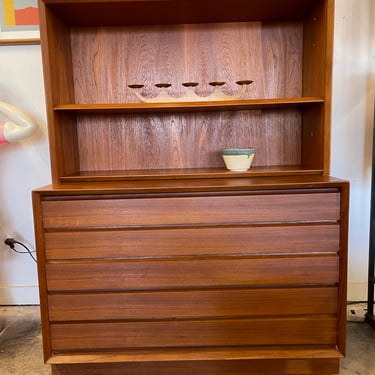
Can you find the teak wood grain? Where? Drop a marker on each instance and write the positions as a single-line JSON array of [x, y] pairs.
[[203, 241], [187, 141], [175, 304], [174, 211], [169, 274], [190, 354], [121, 335], [268, 53]]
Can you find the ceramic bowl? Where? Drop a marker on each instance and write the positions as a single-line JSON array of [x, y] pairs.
[[238, 159]]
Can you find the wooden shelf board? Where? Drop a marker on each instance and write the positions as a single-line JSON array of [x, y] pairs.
[[235, 105], [187, 173]]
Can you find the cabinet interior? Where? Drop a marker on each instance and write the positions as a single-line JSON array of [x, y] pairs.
[[101, 130]]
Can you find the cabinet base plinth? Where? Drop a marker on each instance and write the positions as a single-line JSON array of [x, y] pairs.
[[242, 367]]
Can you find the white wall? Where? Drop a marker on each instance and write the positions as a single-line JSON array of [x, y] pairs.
[[352, 123], [25, 165]]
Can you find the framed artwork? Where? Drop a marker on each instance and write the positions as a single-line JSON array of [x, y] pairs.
[[19, 22]]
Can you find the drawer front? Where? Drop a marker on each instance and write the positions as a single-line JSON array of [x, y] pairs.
[[185, 304], [161, 274], [117, 244], [239, 209], [191, 333]]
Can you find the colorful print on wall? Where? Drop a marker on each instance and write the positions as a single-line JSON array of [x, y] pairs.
[[19, 19]]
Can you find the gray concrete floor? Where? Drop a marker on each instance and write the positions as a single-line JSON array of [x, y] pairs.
[[21, 343]]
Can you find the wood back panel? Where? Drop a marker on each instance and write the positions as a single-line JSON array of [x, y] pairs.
[[187, 140], [271, 53], [107, 59]]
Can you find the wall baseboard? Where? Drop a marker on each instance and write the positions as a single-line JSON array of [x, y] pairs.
[[19, 295]]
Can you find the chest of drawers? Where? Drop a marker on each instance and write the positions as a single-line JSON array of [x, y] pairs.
[[216, 281]]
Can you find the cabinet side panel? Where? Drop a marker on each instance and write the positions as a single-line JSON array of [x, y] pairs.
[[312, 137], [343, 253], [317, 74], [58, 82], [39, 242]]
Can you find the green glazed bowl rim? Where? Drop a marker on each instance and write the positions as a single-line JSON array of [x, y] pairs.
[[238, 151]]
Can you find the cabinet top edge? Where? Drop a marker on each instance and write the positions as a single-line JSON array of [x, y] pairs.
[[194, 185], [133, 12]]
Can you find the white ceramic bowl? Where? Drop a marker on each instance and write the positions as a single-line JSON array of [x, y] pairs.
[[238, 159]]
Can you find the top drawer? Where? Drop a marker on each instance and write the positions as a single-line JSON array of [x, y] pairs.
[[191, 210]]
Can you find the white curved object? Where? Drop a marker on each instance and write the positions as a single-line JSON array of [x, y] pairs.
[[19, 126]]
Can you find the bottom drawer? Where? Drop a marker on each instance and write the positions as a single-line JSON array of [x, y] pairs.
[[192, 304], [191, 333]]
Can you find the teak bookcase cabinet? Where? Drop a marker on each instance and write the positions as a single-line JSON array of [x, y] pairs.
[[152, 257], [99, 130]]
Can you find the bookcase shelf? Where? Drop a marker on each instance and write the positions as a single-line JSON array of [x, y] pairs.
[[186, 173], [237, 105]]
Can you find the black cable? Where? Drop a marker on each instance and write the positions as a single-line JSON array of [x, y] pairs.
[[11, 242]]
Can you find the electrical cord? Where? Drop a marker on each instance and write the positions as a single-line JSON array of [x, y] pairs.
[[11, 242]]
